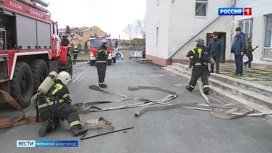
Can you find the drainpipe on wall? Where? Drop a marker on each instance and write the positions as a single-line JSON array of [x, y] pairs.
[[198, 32]]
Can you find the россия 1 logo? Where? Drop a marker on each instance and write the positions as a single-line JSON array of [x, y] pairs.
[[235, 11]]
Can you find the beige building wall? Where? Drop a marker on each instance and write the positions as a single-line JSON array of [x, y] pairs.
[[187, 24], [176, 23]]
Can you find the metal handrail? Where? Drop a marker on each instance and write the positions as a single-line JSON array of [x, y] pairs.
[[199, 31]]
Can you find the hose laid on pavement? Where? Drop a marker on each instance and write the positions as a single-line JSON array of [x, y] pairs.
[[84, 108], [222, 111]]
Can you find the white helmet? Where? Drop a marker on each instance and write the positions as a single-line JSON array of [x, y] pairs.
[[103, 41], [64, 77], [75, 46]]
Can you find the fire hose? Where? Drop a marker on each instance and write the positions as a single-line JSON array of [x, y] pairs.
[[222, 111], [84, 108], [17, 120]]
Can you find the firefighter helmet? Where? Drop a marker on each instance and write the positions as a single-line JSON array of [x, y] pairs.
[[103, 41], [64, 77], [199, 41]]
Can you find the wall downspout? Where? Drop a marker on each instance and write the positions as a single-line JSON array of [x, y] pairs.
[[198, 32]]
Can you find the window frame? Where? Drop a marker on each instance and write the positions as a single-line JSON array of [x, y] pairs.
[[264, 38], [202, 2], [250, 26]]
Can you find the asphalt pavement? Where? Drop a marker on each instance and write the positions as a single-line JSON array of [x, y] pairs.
[[177, 130]]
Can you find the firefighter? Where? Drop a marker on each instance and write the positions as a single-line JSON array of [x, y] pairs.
[[55, 105], [200, 56], [75, 54], [101, 63]]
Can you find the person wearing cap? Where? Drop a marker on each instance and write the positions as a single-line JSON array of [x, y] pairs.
[[238, 48], [200, 56], [215, 48], [101, 63]]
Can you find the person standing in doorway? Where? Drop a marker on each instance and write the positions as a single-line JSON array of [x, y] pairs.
[[216, 50], [238, 49], [249, 54]]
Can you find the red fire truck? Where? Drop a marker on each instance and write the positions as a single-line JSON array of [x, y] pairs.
[[94, 44], [30, 48]]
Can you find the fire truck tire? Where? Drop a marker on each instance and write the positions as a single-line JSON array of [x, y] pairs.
[[39, 71], [22, 84], [69, 65]]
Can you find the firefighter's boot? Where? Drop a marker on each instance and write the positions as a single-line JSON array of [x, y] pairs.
[[206, 91], [102, 85], [46, 125], [78, 130], [189, 88]]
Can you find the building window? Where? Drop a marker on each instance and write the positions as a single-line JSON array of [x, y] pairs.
[[157, 36], [268, 37], [201, 7], [246, 27]]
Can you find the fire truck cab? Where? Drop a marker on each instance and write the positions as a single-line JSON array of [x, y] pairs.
[[30, 48], [94, 44]]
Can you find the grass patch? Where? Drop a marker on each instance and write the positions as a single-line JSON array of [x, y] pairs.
[[83, 56]]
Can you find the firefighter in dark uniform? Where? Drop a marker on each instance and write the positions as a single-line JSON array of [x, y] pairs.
[[200, 56], [101, 63], [55, 105], [75, 54]]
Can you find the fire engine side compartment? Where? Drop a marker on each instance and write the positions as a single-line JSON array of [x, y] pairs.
[[32, 33], [4, 79]]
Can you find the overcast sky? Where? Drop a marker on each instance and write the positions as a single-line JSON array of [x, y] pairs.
[[112, 16]]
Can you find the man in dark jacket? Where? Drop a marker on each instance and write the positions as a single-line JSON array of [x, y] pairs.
[[238, 49], [101, 63], [216, 49]]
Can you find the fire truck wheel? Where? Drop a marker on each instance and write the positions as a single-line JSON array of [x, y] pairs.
[[69, 65], [39, 71], [113, 60], [22, 84]]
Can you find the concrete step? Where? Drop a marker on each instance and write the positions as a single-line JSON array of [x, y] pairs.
[[240, 92], [227, 92], [247, 85], [143, 60]]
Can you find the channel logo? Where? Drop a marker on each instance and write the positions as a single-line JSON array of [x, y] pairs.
[[25, 143], [235, 11], [47, 143]]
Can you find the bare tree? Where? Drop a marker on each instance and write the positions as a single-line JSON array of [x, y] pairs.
[[129, 30], [134, 30], [140, 27]]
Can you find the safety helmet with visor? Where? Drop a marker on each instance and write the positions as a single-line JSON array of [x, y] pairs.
[[64, 77], [199, 41], [103, 41]]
